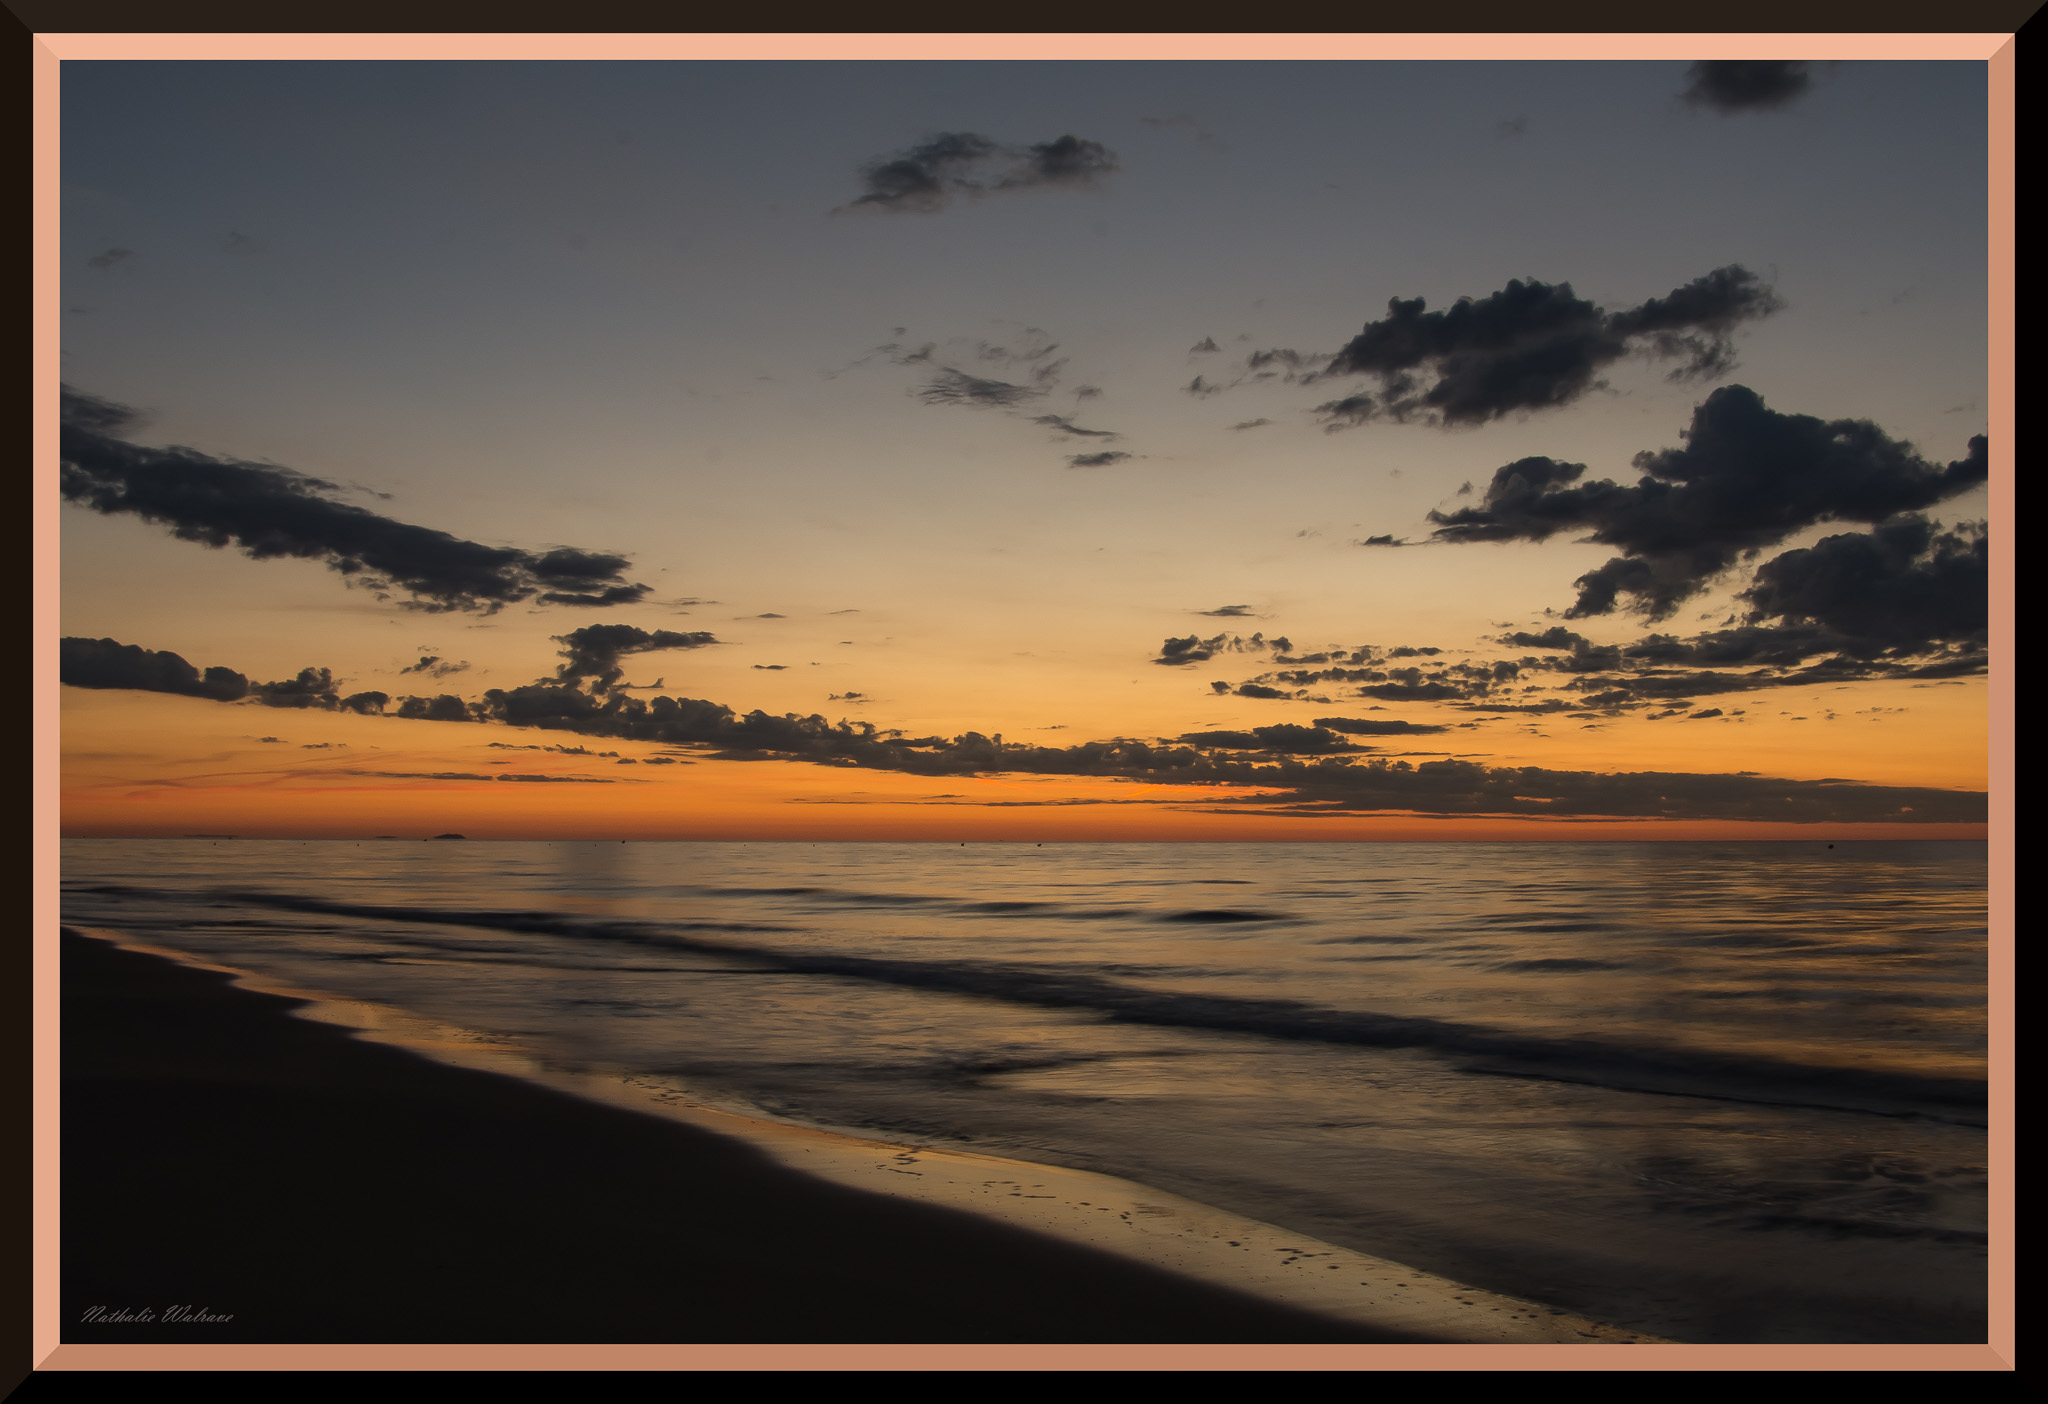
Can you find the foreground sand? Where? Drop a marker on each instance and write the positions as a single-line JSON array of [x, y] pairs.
[[314, 1184]]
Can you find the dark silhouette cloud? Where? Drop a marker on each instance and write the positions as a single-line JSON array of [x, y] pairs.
[[559, 779], [366, 703], [1229, 612], [954, 387], [1068, 160], [434, 666], [1556, 636], [1205, 347], [1531, 346], [1305, 772], [1067, 426], [1097, 460], [313, 687], [1351, 726], [1745, 85], [1283, 739], [1194, 649], [446, 707], [1251, 424], [109, 258], [1901, 588], [103, 663], [1033, 370], [560, 750], [929, 176], [594, 650], [272, 512], [1746, 478]]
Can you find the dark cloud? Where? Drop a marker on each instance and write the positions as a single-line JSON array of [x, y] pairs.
[[1531, 346], [103, 663], [1229, 612], [366, 703], [1194, 649], [1351, 726], [1556, 636], [1067, 426], [926, 177], [1096, 460], [1294, 781], [434, 666], [594, 650], [929, 176], [406, 774], [1745, 85], [1028, 360], [1901, 588], [560, 750], [1206, 346], [1252, 424], [446, 707], [271, 512], [109, 258], [1323, 785], [954, 387], [1387, 540], [1746, 478], [558, 779], [1283, 739], [313, 687], [1068, 160]]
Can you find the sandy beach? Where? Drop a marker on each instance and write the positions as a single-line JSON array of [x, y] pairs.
[[260, 1168], [231, 1161]]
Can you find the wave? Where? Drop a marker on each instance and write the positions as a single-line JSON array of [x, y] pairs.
[[1658, 1069]]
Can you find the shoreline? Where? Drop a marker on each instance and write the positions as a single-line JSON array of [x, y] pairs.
[[1073, 1256]]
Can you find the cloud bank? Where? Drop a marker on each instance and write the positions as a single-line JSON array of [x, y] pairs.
[[1299, 771]]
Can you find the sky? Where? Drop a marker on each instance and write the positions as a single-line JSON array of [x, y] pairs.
[[1024, 451]]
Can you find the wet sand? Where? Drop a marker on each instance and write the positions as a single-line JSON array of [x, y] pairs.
[[302, 1185]]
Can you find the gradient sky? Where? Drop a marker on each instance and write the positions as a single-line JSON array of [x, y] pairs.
[[642, 310]]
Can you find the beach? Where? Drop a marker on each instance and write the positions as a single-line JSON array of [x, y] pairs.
[[1439, 1093], [241, 1175]]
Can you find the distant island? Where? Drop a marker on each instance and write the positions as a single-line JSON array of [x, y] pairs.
[[447, 836]]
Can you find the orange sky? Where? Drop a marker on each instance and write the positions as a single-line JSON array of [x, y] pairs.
[[966, 462]]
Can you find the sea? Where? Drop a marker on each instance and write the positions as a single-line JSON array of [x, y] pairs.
[[1725, 1092]]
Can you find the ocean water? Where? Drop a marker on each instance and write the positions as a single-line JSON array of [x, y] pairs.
[[1718, 1092]]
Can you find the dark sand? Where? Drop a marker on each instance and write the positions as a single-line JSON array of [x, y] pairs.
[[219, 1155]]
